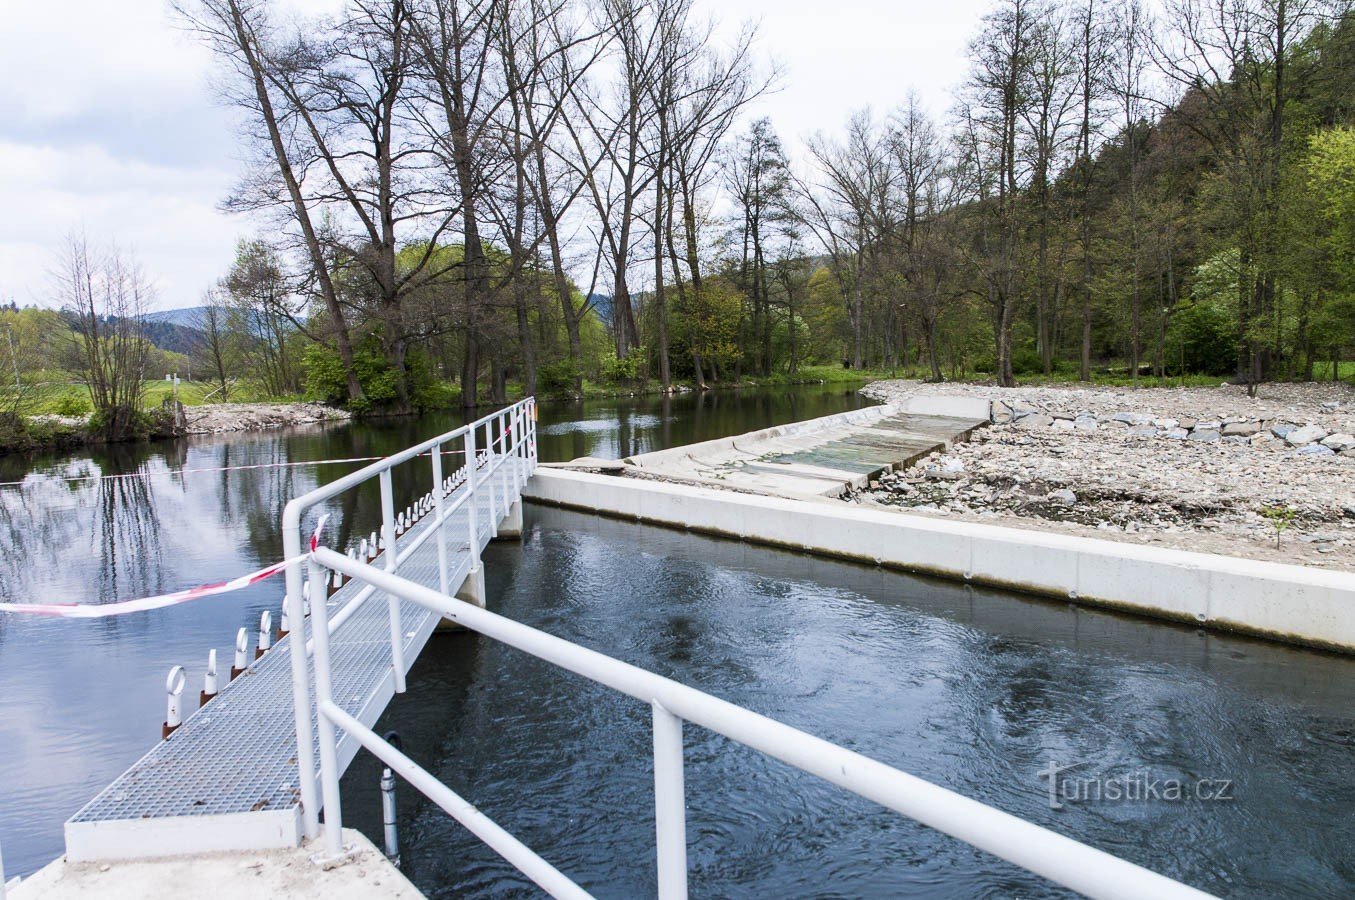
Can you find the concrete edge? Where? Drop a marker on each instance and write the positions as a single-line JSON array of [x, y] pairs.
[[851, 417], [1287, 603]]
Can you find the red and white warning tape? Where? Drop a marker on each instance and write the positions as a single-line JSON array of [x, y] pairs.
[[103, 610]]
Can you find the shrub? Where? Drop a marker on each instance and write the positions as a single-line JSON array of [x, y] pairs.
[[72, 405], [557, 378], [619, 371]]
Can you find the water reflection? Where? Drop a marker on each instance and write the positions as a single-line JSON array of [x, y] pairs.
[[81, 700]]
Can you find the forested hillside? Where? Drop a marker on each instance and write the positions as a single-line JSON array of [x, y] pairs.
[[460, 200]]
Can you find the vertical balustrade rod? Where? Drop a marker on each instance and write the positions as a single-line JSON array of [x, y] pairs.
[[470, 502], [489, 479], [301, 693], [329, 756], [670, 812], [437, 518], [515, 450], [392, 601]]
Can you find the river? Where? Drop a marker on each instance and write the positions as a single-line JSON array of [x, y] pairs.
[[977, 690]]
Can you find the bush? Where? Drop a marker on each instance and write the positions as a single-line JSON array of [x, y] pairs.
[[72, 405], [557, 378], [619, 371]]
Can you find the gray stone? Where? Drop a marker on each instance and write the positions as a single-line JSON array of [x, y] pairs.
[[1063, 497], [1166, 423], [1306, 435], [1177, 434], [1187, 422], [1211, 425], [1204, 434], [1085, 423], [1311, 449], [1143, 431], [1339, 442], [1062, 425], [1131, 418], [1282, 429], [1241, 429], [1035, 420]]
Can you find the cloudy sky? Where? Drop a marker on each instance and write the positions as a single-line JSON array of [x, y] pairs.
[[108, 122]]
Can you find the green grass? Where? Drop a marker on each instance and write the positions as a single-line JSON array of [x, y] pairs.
[[49, 398]]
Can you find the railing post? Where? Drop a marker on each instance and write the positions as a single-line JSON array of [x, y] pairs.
[[531, 443], [392, 602], [489, 479], [515, 450], [329, 755], [470, 501], [670, 805], [437, 518], [301, 692]]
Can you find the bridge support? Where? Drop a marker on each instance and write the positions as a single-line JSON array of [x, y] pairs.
[[510, 529]]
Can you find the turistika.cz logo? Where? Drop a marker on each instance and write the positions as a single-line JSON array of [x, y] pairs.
[[1129, 787]]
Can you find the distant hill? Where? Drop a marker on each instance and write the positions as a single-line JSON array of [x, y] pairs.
[[601, 304], [188, 317]]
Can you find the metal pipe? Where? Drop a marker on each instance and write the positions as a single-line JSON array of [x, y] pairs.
[[393, 602], [670, 805], [329, 755], [265, 634], [388, 820], [439, 520], [298, 603], [510, 848], [241, 653], [174, 686], [1060, 859], [209, 680], [473, 539]]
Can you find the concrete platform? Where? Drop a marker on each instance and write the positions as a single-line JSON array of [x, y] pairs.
[[820, 457], [246, 875]]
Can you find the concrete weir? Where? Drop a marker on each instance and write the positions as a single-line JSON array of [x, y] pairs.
[[821, 457], [1295, 604]]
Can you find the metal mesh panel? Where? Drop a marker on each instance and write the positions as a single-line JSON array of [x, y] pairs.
[[237, 754]]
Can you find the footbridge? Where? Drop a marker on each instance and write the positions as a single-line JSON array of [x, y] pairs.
[[256, 765]]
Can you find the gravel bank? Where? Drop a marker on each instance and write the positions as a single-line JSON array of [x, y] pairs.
[[1189, 468], [221, 417]]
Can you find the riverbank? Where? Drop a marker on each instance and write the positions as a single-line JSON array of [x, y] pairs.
[[1203, 469], [46, 433]]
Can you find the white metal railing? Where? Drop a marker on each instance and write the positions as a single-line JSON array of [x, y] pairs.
[[1039, 850], [485, 445]]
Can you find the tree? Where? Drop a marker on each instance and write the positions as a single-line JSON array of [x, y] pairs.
[[105, 295]]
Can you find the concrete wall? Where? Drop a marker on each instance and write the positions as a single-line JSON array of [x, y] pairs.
[[1296, 604]]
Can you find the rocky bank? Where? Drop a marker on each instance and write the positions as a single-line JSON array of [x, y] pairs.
[[1207, 469], [220, 417]]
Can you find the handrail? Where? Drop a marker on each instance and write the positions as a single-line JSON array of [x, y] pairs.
[[1041, 851], [515, 418]]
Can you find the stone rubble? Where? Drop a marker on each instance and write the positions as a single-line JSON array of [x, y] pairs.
[[1190, 468], [215, 418]]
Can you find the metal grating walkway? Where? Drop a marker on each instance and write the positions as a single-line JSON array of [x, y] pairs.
[[227, 779]]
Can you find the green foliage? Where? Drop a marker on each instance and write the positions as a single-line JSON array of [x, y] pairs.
[[556, 379], [72, 405], [1202, 338], [1280, 518], [619, 371]]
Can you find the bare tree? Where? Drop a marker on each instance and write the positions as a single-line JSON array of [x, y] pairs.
[[105, 295]]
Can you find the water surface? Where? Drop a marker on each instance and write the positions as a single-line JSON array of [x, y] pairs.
[[976, 690], [82, 700]]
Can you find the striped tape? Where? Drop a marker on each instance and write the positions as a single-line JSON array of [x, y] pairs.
[[142, 604]]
